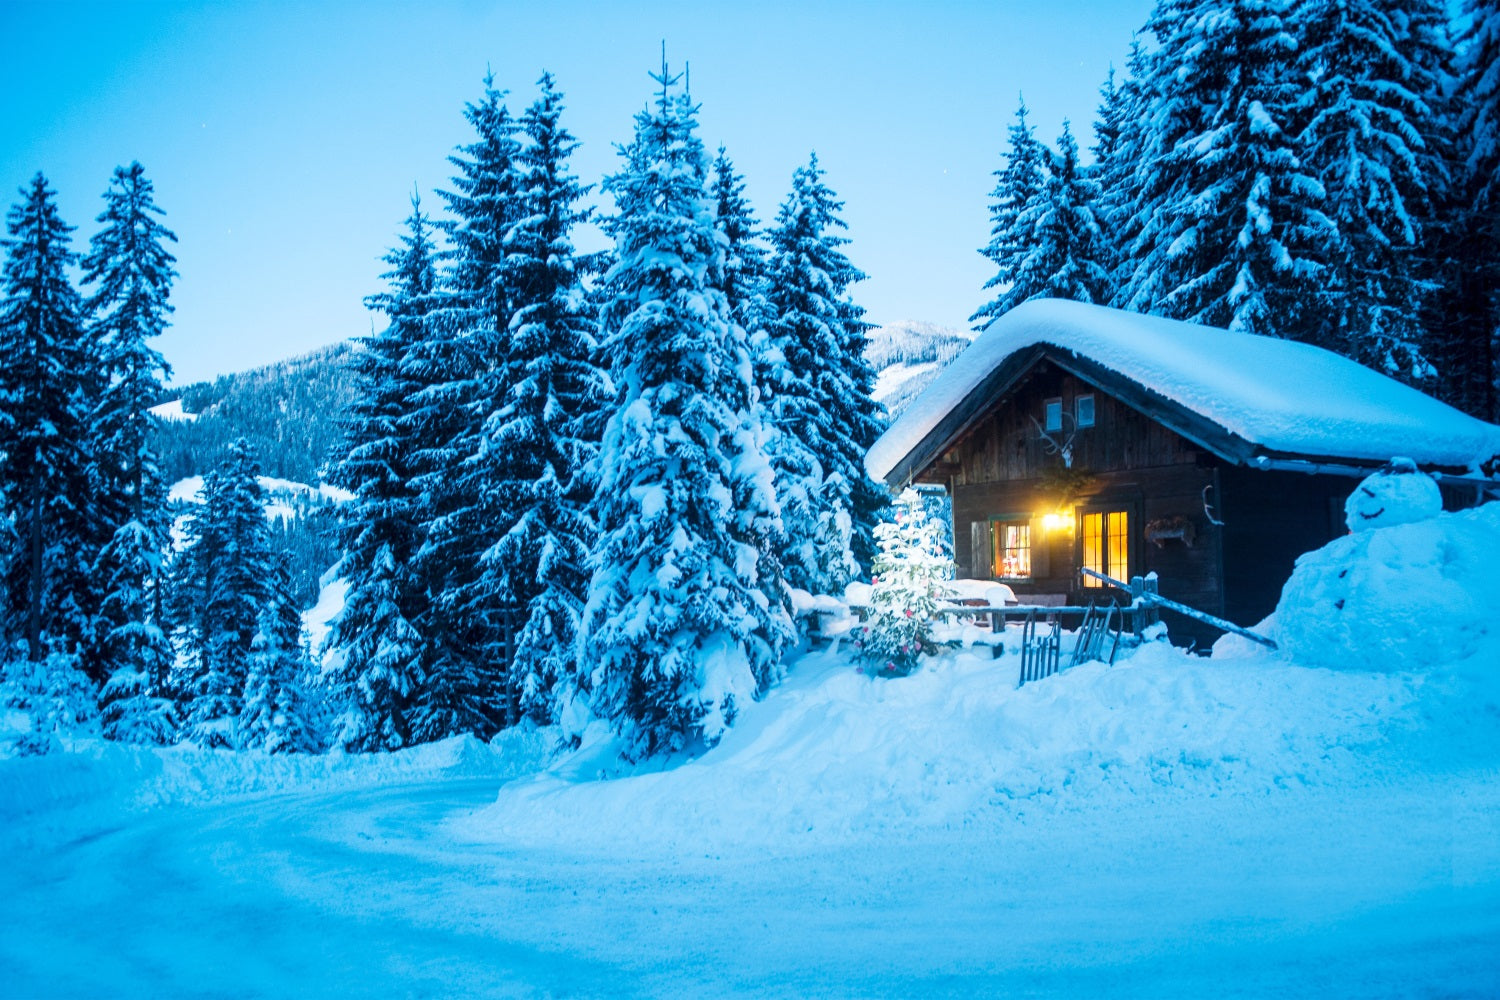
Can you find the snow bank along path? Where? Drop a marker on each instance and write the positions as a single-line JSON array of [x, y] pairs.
[[1241, 826]]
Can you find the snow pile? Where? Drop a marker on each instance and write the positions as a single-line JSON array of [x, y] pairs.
[[1282, 395], [834, 756], [1411, 596]]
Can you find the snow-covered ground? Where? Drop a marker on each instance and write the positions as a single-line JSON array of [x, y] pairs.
[[172, 410], [1170, 826], [191, 488]]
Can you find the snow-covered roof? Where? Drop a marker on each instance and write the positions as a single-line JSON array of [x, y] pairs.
[[1278, 396]]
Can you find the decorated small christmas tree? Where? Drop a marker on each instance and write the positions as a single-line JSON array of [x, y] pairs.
[[910, 570]]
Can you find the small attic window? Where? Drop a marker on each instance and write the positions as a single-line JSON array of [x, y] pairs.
[[1084, 410], [1053, 414]]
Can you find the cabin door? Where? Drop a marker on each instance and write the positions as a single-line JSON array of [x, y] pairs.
[[1106, 542]]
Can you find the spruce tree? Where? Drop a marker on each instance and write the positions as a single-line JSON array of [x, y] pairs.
[[1118, 134], [470, 358], [1229, 227], [223, 579], [135, 704], [45, 383], [274, 718], [684, 624], [1062, 243], [1470, 352], [745, 262], [1367, 126], [131, 269], [544, 438], [1017, 186], [382, 670], [821, 401]]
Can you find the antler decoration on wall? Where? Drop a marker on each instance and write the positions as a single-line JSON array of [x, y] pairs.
[[1055, 447], [1208, 509]]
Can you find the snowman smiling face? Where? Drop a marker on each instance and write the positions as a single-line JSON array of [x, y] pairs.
[[1398, 494]]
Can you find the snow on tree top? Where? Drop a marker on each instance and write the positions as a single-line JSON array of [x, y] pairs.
[[1279, 395]]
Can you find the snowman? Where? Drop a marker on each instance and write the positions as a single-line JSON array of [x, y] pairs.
[[1400, 493]]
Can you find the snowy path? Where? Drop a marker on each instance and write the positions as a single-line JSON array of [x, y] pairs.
[[382, 892]]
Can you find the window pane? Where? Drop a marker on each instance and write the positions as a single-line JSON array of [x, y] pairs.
[[1012, 549], [1093, 547], [1054, 415], [1119, 545], [1085, 411]]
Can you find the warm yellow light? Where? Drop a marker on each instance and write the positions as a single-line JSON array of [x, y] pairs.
[[1057, 522]]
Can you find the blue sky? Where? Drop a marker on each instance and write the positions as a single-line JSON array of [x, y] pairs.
[[284, 138]]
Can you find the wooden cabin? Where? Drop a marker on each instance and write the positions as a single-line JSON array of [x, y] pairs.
[[1071, 435]]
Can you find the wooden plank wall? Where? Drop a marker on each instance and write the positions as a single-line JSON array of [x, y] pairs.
[[1003, 468], [1007, 445], [1271, 518]]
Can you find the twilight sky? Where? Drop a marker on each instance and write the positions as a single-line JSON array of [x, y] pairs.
[[284, 138]]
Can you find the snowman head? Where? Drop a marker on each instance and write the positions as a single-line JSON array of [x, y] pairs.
[[1400, 493]]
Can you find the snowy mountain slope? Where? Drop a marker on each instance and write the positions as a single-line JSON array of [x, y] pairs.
[[907, 355]]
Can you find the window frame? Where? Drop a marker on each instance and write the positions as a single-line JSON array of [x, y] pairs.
[[1113, 543], [998, 524], [1047, 412], [1078, 410]]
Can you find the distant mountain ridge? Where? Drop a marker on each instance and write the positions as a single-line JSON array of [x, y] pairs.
[[288, 410], [907, 355]]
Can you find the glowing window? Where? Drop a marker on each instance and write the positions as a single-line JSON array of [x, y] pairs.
[[1106, 545], [1012, 541], [1083, 411]]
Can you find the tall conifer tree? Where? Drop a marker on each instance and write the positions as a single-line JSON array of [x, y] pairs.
[[1367, 126], [223, 580], [684, 622], [1017, 186], [45, 382], [1062, 252], [468, 359], [132, 272], [1471, 348], [1227, 221], [382, 670], [822, 402], [546, 435]]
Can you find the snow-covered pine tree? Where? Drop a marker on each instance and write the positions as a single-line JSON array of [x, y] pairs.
[[545, 438], [134, 704], [910, 574], [1017, 186], [382, 666], [821, 396], [45, 378], [683, 623], [275, 713], [1229, 220], [222, 585], [745, 261], [1062, 254], [459, 472], [1366, 129], [1470, 353], [1118, 131], [131, 268]]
